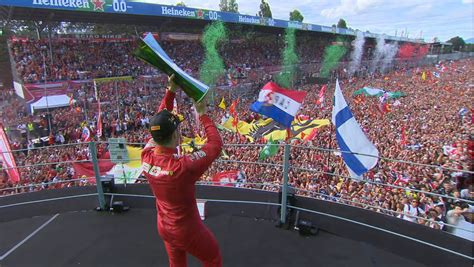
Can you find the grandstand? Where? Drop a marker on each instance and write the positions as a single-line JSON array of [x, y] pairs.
[[60, 83]]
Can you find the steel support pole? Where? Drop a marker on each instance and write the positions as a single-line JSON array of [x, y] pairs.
[[95, 163], [284, 187]]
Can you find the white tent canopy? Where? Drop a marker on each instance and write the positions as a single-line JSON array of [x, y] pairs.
[[53, 101]]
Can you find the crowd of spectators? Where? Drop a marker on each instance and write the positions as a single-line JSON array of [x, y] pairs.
[[424, 185], [74, 59]]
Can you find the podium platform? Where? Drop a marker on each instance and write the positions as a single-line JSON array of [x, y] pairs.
[[90, 238]]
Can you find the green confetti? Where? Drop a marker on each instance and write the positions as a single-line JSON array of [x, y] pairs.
[[332, 55], [290, 60], [213, 66]]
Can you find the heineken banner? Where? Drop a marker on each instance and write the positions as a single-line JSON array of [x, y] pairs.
[[138, 7]]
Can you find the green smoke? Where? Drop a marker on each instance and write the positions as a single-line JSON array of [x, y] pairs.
[[290, 60], [332, 55], [213, 66]]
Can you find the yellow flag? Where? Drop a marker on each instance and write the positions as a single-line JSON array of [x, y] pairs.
[[134, 154], [423, 76], [222, 104]]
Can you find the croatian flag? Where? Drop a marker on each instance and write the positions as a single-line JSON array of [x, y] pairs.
[[351, 138], [278, 103]]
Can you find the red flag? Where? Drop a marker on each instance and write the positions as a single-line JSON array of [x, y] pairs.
[[233, 112], [311, 135], [233, 107], [7, 159], [320, 100], [87, 169]]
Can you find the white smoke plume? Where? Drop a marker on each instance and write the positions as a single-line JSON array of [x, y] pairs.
[[383, 55], [357, 51], [390, 50], [378, 53]]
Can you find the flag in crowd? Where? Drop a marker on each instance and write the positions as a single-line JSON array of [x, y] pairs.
[[368, 91], [222, 104], [310, 136], [7, 160], [269, 150], [86, 134], [358, 153], [278, 103], [320, 100], [126, 172], [233, 112], [384, 106], [268, 128]]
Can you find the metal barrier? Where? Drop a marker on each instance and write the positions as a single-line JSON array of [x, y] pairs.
[[284, 167]]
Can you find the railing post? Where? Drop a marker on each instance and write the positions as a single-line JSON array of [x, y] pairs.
[[284, 187], [95, 163]]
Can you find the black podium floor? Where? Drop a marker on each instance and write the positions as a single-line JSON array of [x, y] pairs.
[[90, 238]]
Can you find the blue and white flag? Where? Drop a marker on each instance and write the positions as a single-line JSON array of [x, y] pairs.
[[351, 139], [278, 103]]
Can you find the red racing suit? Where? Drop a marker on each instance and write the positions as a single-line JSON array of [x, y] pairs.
[[172, 178]]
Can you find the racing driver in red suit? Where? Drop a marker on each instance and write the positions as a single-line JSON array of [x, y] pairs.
[[172, 177]]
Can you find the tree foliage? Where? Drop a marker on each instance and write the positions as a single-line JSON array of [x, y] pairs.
[[181, 3], [265, 10], [229, 6], [342, 24], [458, 43], [296, 15], [31, 29]]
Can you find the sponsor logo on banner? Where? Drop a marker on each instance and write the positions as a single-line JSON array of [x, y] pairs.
[[249, 19], [179, 12], [98, 5], [200, 14], [69, 3], [93, 5], [295, 24]]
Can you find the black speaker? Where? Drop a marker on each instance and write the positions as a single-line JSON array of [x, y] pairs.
[[108, 183], [306, 228], [118, 206]]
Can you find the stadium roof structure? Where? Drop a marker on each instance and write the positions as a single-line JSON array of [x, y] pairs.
[[138, 13]]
